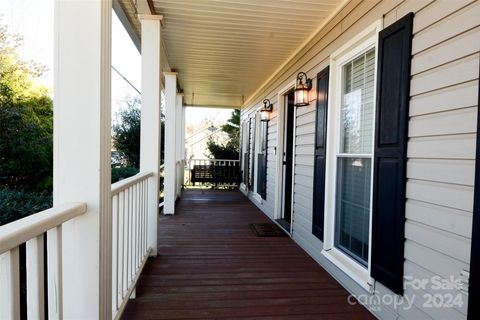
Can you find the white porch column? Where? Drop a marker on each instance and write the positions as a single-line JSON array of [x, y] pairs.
[[150, 118], [82, 142], [182, 144], [179, 143], [170, 145]]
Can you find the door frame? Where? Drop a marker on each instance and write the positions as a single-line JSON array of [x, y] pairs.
[[279, 152]]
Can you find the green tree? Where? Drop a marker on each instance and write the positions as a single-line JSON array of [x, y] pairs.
[[26, 117], [126, 133], [229, 148], [26, 134]]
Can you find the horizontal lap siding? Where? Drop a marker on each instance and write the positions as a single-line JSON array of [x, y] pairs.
[[442, 137], [271, 163], [441, 151], [303, 178]]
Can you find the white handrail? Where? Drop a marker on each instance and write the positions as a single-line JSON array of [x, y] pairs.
[[15, 233], [124, 184]]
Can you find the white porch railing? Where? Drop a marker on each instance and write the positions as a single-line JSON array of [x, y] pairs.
[[179, 178], [162, 168], [214, 171], [130, 250], [30, 230], [220, 162]]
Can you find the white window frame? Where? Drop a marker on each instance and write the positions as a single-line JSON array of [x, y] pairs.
[[245, 146], [256, 196], [358, 45]]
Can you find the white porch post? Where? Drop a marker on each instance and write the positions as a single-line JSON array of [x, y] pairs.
[[182, 144], [170, 145], [150, 118], [179, 143], [82, 140]]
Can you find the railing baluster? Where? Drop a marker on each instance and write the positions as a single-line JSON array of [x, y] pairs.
[[123, 246], [137, 212], [132, 235], [35, 278], [140, 238], [144, 237], [132, 208], [139, 226], [127, 241], [116, 238], [54, 273], [140, 222], [146, 212], [143, 220], [10, 280]]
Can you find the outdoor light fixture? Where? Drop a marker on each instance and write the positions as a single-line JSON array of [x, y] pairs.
[[302, 86], [266, 110]]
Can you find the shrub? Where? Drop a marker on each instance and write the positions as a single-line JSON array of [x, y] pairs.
[[16, 204], [120, 173]]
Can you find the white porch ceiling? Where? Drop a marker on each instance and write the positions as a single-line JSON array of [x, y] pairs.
[[223, 50]]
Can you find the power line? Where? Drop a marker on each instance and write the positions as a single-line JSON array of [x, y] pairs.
[[126, 80]]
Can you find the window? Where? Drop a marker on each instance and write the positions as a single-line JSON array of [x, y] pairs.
[[351, 125], [262, 160], [260, 157], [245, 156], [354, 157]]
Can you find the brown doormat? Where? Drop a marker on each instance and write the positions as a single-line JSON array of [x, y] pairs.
[[267, 230]]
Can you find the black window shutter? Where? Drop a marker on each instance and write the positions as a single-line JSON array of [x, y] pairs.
[[389, 184], [320, 153], [265, 159], [241, 151], [246, 155], [262, 161], [474, 281], [246, 146], [253, 137]]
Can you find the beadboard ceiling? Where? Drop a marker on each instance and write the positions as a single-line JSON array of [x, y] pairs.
[[223, 50]]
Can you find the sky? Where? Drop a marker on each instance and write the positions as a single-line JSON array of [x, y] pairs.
[[33, 19]]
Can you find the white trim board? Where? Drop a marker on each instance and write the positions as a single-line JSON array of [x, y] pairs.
[[280, 148], [357, 45]]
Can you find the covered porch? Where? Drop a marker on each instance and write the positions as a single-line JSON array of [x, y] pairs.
[[210, 265], [103, 246], [111, 251]]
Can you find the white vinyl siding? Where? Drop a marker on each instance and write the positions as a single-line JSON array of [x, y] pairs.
[[441, 151], [442, 137]]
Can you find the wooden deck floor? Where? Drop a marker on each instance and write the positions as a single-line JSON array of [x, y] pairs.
[[211, 266]]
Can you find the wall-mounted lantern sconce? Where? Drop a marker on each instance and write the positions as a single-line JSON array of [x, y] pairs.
[[266, 110], [302, 86]]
